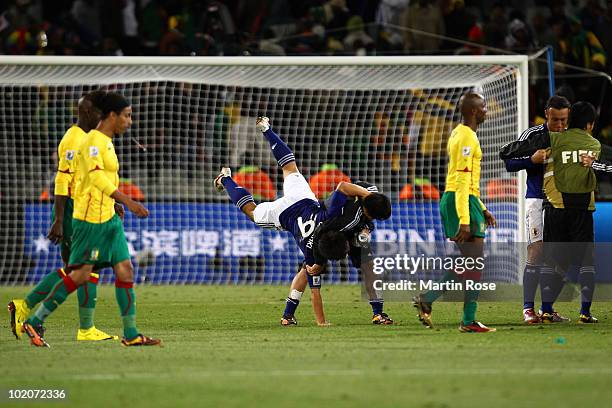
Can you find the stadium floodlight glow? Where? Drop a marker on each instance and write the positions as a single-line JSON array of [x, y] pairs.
[[381, 119]]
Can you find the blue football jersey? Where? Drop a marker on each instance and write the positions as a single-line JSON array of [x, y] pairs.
[[535, 172], [302, 219]]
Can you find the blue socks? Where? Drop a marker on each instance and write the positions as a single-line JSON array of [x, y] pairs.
[[531, 277], [547, 284], [239, 195], [547, 307], [282, 153], [586, 279], [290, 307], [377, 306]]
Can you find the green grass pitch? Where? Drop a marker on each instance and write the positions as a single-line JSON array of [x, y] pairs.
[[223, 347]]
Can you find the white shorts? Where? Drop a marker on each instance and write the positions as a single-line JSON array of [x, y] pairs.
[[534, 220], [295, 188]]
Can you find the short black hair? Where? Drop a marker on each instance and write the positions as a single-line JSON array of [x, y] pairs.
[[95, 97], [112, 102], [558, 102], [333, 245], [581, 114], [378, 206]]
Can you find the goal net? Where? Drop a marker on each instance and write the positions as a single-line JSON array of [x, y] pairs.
[[381, 120]]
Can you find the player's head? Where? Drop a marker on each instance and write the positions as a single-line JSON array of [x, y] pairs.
[[473, 106], [377, 206], [89, 109], [582, 116], [333, 245], [557, 113], [116, 112]]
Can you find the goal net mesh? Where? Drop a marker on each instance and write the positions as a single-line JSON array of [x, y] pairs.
[[384, 124]]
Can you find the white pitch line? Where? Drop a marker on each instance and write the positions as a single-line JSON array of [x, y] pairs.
[[348, 372]]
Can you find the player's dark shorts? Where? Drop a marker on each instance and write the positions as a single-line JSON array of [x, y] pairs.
[[450, 218], [101, 245], [568, 237], [67, 224], [360, 255]]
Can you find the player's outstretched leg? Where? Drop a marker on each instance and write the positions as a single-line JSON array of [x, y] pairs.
[[239, 195], [282, 153], [33, 326], [19, 309]]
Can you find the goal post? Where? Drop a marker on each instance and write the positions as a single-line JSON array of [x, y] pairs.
[[384, 120]]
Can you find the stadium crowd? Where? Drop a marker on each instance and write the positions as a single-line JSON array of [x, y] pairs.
[[578, 31]]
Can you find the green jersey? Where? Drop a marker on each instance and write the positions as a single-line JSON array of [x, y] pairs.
[[567, 184]]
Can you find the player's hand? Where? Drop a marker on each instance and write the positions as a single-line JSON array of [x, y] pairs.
[[463, 235], [314, 269], [324, 324], [120, 210], [138, 209], [539, 157], [56, 233], [490, 219], [587, 160]]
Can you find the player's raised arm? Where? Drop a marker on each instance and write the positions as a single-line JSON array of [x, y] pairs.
[[352, 190]]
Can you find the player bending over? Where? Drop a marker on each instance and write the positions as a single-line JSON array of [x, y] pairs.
[[298, 211], [356, 223]]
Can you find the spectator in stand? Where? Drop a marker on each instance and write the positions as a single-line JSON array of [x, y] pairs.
[[457, 21], [86, 14], [269, 45], [423, 15], [518, 38], [591, 15], [496, 28], [389, 13], [584, 48], [475, 35], [542, 32], [603, 31], [357, 41]]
